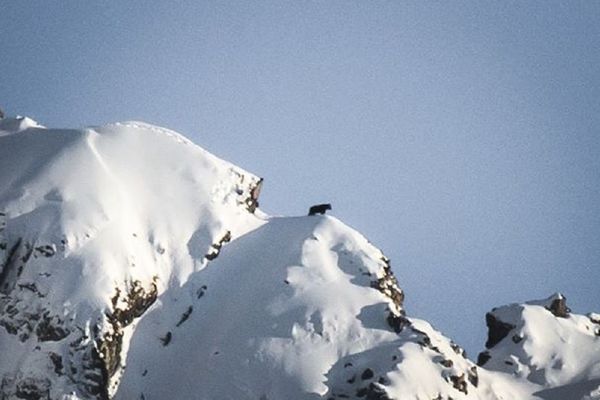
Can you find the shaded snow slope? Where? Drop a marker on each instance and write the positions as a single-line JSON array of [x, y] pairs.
[[136, 265]]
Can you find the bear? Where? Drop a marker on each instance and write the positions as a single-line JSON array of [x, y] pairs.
[[319, 209]]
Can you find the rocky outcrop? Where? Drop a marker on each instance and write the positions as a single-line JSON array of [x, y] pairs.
[[251, 201], [93, 358], [497, 330], [127, 305], [15, 388], [216, 247], [21, 311], [558, 306], [387, 284]]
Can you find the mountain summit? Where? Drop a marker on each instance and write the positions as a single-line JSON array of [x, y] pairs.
[[136, 265]]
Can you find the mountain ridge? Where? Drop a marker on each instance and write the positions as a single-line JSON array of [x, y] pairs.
[[135, 264]]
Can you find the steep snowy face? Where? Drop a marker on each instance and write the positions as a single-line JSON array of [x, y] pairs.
[[544, 343], [268, 318], [94, 225]]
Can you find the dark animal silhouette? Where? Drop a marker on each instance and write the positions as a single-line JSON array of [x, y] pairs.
[[1, 114], [319, 209]]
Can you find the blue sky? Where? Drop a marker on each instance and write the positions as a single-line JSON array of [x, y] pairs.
[[460, 137]]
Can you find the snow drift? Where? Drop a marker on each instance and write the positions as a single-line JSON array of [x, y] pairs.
[[136, 265]]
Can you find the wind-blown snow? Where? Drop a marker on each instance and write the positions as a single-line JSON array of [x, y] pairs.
[[135, 265]]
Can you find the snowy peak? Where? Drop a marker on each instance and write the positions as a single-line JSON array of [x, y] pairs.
[[543, 342], [95, 223]]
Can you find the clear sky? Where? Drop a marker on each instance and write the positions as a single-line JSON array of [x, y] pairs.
[[463, 138]]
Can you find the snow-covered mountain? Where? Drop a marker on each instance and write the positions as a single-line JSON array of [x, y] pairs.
[[136, 265]]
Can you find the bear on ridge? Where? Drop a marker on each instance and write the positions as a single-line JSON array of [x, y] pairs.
[[319, 209]]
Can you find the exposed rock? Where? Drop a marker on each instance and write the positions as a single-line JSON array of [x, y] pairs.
[[595, 319], [456, 348], [56, 362], [26, 388], [397, 322], [447, 363], [362, 392], [517, 338], [483, 357], [50, 328], [12, 268], [137, 301], [473, 376], [497, 330], [367, 374], [201, 291], [166, 339], [459, 383], [216, 247], [45, 250], [388, 285], [425, 341], [185, 315], [376, 392], [559, 308], [252, 201], [23, 321], [106, 354], [86, 368]]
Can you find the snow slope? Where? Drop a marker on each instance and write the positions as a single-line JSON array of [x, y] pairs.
[[136, 265], [91, 215], [544, 343]]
